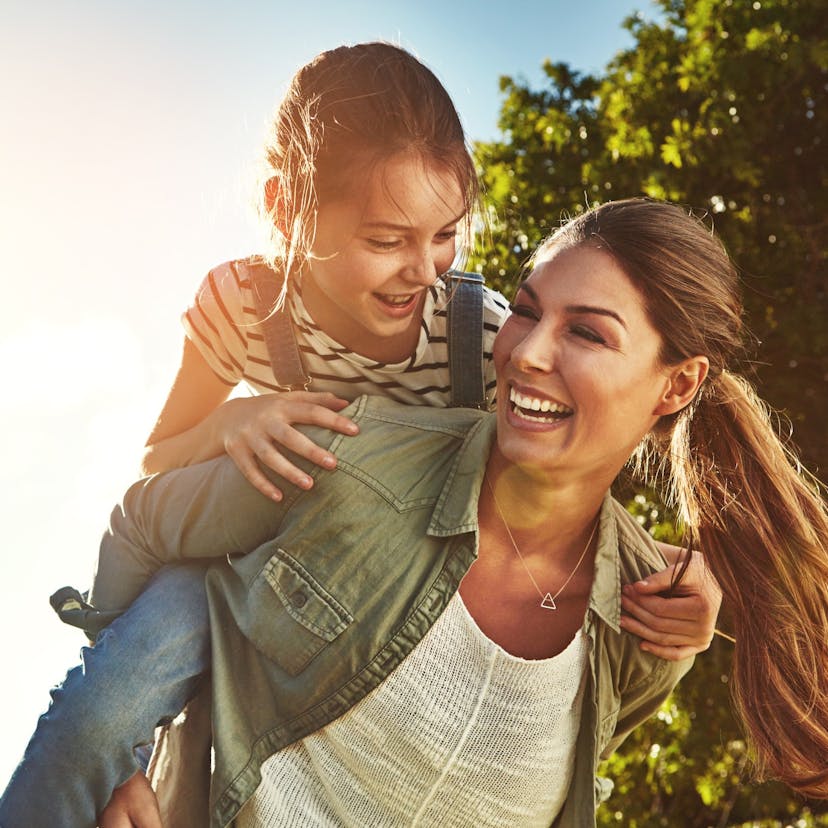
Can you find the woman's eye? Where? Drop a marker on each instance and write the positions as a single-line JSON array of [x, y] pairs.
[[523, 310], [588, 334]]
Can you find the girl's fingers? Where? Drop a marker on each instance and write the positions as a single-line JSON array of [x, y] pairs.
[[657, 625], [670, 653], [248, 466], [689, 608], [661, 644]]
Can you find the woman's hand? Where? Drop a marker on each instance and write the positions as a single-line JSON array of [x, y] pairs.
[[254, 429], [678, 627], [133, 805]]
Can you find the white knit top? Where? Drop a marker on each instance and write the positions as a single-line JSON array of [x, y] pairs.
[[461, 734]]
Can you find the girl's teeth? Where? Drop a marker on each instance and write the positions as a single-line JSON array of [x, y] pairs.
[[394, 300]]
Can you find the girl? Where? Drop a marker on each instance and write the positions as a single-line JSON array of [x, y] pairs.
[[474, 672], [368, 184]]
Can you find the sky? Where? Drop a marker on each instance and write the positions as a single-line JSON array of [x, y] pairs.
[[129, 138]]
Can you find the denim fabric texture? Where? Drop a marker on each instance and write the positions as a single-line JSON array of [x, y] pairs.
[[141, 671]]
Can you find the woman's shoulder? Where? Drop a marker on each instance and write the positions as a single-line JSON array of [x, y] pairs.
[[638, 552]]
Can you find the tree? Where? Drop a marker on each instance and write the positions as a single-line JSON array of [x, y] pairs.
[[722, 106]]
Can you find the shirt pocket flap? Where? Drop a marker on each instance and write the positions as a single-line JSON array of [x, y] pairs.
[[307, 601], [295, 617]]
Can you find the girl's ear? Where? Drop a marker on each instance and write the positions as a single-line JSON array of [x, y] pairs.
[[276, 204], [685, 380]]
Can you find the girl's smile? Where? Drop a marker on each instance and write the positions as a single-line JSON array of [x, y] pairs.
[[378, 251]]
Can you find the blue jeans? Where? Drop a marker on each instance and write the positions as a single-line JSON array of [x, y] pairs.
[[142, 670]]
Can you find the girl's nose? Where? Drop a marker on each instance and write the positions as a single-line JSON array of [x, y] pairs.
[[421, 269]]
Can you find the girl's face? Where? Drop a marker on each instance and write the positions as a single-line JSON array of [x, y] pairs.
[[375, 255], [579, 377]]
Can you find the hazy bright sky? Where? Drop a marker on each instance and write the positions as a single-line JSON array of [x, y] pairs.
[[128, 138]]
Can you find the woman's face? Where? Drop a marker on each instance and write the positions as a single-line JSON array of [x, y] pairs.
[[579, 376]]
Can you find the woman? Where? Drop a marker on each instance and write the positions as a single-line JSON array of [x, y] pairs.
[[473, 563]]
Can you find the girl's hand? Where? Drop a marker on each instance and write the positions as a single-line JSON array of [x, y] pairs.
[[253, 429], [133, 805], [678, 627]]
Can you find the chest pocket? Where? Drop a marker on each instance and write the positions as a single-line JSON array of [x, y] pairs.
[[295, 617]]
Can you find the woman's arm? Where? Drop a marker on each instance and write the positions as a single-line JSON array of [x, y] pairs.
[[133, 805], [198, 423]]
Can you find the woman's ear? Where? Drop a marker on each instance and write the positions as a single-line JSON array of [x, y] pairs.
[[276, 204], [685, 380]]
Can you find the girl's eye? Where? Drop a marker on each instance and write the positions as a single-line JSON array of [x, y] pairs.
[[446, 235], [383, 244], [588, 334], [523, 310]]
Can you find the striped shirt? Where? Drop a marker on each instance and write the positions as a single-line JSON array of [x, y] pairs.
[[222, 323]]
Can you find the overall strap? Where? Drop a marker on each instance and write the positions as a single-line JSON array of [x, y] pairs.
[[465, 340], [276, 325]]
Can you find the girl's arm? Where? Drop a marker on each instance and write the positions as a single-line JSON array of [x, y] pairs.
[[203, 511], [682, 625], [198, 423]]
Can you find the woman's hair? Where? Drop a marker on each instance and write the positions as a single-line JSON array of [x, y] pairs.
[[346, 112], [759, 518]]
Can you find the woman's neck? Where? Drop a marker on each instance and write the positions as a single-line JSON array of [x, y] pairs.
[[555, 509]]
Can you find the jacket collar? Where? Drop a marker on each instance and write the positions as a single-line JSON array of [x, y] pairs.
[[456, 513]]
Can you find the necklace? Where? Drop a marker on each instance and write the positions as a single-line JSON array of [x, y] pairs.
[[547, 598]]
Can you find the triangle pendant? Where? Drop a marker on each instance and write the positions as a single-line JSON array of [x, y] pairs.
[[548, 601]]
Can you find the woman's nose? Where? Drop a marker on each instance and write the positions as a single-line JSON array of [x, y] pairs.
[[536, 351]]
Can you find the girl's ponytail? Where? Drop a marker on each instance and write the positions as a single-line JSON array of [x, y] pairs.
[[763, 527]]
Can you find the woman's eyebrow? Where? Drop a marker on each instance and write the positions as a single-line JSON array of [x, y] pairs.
[[525, 286], [576, 309]]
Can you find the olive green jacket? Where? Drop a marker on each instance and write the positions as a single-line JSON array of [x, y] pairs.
[[342, 583]]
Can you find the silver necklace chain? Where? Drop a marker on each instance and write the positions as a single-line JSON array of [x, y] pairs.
[[547, 598]]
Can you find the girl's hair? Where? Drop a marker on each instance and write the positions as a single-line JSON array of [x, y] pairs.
[[347, 111], [760, 519]]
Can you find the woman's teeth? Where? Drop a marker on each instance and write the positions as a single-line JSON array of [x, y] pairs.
[[526, 406]]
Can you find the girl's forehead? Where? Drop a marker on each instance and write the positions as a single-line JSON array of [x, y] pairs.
[[408, 184]]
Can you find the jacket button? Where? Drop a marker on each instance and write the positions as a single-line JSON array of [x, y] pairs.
[[298, 599]]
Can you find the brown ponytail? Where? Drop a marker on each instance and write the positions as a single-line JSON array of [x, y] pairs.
[[759, 519], [763, 528]]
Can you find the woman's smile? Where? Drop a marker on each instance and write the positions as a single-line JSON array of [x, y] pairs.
[[537, 409], [579, 373]]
